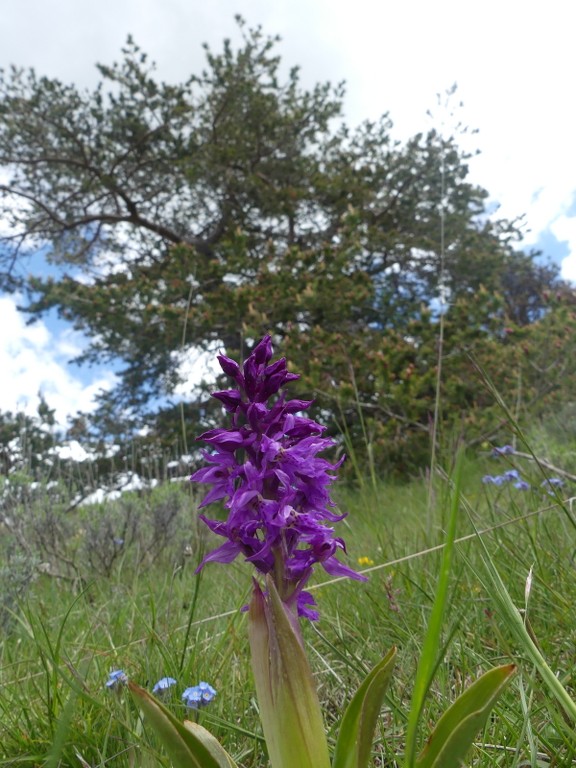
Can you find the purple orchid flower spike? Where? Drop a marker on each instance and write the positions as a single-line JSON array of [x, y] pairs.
[[266, 469]]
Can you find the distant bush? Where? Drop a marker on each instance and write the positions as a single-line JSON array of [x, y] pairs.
[[76, 543]]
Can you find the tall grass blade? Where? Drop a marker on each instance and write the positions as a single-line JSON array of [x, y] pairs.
[[428, 657], [494, 585]]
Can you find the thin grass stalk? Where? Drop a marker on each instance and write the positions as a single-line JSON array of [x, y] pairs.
[[369, 453], [438, 383], [191, 614], [182, 345]]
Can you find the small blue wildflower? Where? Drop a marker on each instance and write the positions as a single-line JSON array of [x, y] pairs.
[[116, 679], [163, 685], [505, 450], [198, 695], [555, 482], [551, 483], [507, 477], [522, 485], [493, 479]]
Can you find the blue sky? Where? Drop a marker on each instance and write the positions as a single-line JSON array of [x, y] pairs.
[[513, 63]]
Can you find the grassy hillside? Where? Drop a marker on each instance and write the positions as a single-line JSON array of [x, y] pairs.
[[94, 589]]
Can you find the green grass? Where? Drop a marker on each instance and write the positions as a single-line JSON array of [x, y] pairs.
[[151, 616]]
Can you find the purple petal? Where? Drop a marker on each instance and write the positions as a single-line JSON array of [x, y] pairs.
[[294, 406], [226, 553], [230, 399], [335, 568], [305, 599], [262, 352], [230, 367], [225, 438]]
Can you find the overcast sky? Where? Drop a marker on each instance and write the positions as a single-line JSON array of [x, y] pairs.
[[513, 62]]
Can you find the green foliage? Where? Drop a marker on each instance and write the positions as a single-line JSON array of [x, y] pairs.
[[188, 744], [25, 441], [358, 724], [452, 737], [66, 636], [206, 213]]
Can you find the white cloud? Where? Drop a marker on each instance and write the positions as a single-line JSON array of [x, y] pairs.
[[33, 360], [195, 366]]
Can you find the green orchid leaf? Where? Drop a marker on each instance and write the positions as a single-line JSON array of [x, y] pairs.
[[211, 743], [456, 729], [187, 747], [356, 735], [289, 706]]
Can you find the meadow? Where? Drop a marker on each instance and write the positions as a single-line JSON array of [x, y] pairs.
[[112, 586], [352, 246]]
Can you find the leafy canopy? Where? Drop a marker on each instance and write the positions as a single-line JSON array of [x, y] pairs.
[[238, 203]]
